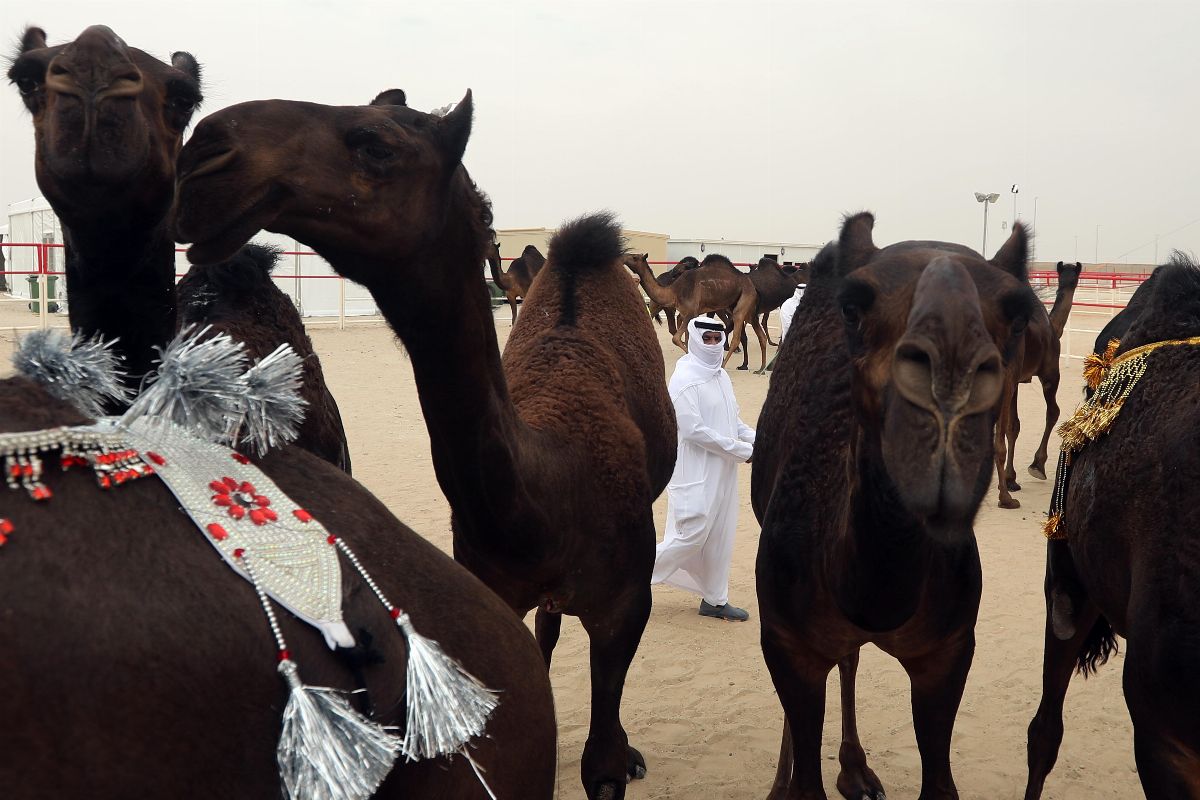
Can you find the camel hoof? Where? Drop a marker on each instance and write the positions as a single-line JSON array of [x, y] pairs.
[[635, 764], [760, 372], [1013, 486], [1011, 502], [743, 368], [1037, 472]]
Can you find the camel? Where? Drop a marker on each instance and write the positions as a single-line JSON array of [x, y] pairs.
[[238, 297], [1125, 564], [666, 279], [873, 457], [115, 203], [1039, 355], [521, 272], [148, 651], [716, 285], [551, 458], [774, 287]]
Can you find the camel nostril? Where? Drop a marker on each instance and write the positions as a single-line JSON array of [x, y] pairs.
[[912, 371]]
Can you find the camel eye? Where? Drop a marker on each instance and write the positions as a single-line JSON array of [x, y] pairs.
[[378, 152], [182, 104], [852, 314], [26, 85]]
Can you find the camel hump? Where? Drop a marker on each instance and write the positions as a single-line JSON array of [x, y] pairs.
[[590, 242], [245, 271]]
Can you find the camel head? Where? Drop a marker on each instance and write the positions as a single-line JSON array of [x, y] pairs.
[[108, 121], [930, 331], [637, 261], [362, 185], [1068, 275]]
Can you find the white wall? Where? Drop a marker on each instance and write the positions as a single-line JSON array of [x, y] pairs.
[[740, 252]]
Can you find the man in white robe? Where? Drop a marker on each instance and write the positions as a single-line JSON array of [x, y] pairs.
[[702, 498], [786, 312]]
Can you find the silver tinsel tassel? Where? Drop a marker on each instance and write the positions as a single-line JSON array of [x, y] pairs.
[[199, 385], [84, 372], [447, 706], [273, 409], [327, 750]]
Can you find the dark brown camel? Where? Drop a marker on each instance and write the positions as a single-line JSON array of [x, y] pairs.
[[875, 452], [774, 287], [1127, 565], [666, 279], [550, 460], [521, 272], [126, 110], [716, 285], [126, 642], [238, 297], [1038, 356]]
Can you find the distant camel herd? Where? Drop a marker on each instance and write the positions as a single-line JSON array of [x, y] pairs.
[[128, 661]]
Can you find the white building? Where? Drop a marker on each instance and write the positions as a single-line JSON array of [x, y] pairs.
[[742, 253], [306, 278]]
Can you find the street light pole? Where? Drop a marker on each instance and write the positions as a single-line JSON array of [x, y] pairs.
[[1156, 249], [985, 198], [1014, 191], [1035, 212], [1097, 253]]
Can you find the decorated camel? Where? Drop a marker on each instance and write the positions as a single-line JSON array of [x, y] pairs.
[[1038, 355], [161, 588], [127, 111], [715, 286], [238, 297], [894, 391], [551, 458], [516, 281], [1123, 529]]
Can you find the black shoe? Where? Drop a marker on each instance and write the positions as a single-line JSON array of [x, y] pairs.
[[724, 611]]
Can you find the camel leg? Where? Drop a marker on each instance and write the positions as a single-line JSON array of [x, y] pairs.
[[762, 344], [608, 760], [1006, 499], [1161, 701], [856, 780], [679, 339], [735, 339], [672, 325], [1046, 729], [783, 770], [546, 627], [1014, 430], [1049, 391], [512, 302], [799, 677], [745, 351], [938, 680], [767, 330]]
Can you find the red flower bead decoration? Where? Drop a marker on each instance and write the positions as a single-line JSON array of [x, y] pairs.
[[241, 500]]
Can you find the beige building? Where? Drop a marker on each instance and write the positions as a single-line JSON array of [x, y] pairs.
[[514, 240]]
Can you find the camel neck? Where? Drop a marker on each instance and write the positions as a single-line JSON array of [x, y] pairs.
[[442, 313], [1061, 308], [662, 295], [121, 284], [887, 554]]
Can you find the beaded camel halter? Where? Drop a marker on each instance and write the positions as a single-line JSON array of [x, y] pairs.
[[201, 400], [1112, 378]]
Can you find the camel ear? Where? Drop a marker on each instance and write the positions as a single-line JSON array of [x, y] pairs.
[[186, 62], [855, 244], [646, 257], [1013, 257], [455, 128], [390, 97], [1078, 265], [33, 39]]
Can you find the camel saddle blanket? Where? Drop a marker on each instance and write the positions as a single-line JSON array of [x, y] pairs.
[[237, 508]]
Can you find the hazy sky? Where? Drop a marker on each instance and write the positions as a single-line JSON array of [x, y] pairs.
[[742, 120]]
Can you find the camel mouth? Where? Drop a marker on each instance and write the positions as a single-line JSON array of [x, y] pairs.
[[222, 240], [208, 164]]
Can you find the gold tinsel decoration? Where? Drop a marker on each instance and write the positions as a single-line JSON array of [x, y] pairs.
[[1115, 378], [1095, 367]]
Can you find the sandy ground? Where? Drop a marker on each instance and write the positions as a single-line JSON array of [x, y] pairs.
[[698, 701]]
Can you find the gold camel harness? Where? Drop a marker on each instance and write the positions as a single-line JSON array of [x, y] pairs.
[[1113, 379]]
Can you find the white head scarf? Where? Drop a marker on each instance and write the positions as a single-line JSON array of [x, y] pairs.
[[703, 361]]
